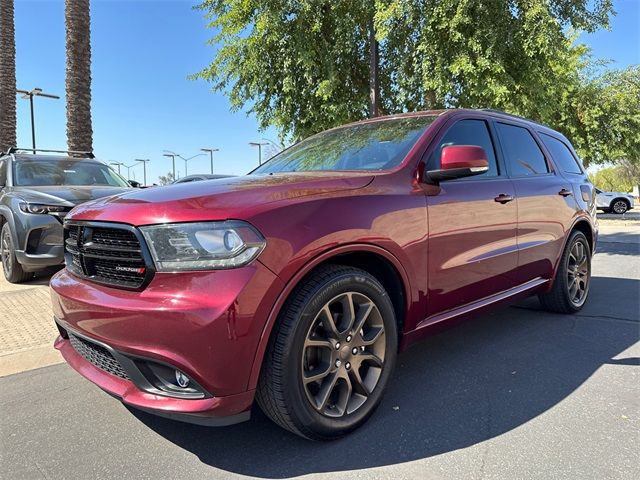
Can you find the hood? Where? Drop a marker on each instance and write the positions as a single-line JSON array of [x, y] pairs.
[[220, 199], [69, 195]]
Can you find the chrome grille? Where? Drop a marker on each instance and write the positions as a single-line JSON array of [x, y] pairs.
[[106, 254], [97, 356]]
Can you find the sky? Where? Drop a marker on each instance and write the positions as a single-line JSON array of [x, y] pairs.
[[142, 101]]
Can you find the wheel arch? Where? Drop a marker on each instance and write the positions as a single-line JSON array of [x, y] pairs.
[[583, 225], [625, 200], [370, 258]]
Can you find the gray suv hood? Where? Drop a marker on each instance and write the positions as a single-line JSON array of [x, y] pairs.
[[69, 195]]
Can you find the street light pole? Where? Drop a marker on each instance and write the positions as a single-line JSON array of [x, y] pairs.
[[118, 164], [144, 168], [129, 167], [173, 159], [210, 150], [259, 145], [36, 92]]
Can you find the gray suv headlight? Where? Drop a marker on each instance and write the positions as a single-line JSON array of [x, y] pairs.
[[203, 245]]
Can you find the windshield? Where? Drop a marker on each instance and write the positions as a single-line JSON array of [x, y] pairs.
[[368, 146], [64, 172]]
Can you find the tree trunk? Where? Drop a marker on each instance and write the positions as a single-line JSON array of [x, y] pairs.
[[78, 80], [374, 82], [7, 77]]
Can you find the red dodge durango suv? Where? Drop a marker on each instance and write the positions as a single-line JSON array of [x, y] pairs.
[[298, 284]]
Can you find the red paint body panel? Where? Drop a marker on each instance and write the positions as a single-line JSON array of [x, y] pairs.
[[456, 250]]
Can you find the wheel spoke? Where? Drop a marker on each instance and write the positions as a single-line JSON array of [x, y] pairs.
[[357, 382], [346, 390], [326, 389], [348, 312], [370, 337], [329, 322], [318, 343], [362, 316], [370, 358], [315, 375]]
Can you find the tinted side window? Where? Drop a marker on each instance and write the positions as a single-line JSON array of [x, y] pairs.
[[521, 151], [3, 173], [561, 154], [469, 132]]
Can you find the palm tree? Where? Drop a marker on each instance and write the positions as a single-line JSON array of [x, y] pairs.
[[78, 80], [7, 76]]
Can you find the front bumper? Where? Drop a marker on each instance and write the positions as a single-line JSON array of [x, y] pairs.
[[40, 242], [206, 324]]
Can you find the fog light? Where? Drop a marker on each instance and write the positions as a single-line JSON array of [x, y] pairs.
[[181, 379]]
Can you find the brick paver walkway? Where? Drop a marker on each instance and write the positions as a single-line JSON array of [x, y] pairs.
[[27, 330]]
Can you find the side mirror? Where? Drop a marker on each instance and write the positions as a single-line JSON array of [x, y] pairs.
[[135, 184], [458, 161]]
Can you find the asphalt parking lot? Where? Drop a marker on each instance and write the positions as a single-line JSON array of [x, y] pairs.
[[519, 393]]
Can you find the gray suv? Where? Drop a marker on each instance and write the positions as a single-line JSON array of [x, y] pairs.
[[36, 192]]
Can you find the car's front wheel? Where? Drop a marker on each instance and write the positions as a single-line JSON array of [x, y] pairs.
[[331, 354], [13, 271], [571, 284]]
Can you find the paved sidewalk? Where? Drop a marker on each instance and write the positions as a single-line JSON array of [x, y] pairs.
[[27, 330]]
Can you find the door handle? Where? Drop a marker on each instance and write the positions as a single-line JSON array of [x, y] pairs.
[[503, 198], [565, 193]]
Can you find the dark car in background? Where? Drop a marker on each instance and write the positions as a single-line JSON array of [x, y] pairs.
[[36, 192], [199, 178]]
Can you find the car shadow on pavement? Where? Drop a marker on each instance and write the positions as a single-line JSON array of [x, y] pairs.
[[462, 387], [624, 244]]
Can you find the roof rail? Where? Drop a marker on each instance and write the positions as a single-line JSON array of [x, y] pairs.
[[512, 115], [34, 150]]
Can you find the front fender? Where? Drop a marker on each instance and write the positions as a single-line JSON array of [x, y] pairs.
[[299, 275]]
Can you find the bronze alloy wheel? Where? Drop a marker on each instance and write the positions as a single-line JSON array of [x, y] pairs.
[[578, 273], [343, 354]]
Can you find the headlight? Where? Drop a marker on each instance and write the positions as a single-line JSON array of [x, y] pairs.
[[202, 246], [43, 209]]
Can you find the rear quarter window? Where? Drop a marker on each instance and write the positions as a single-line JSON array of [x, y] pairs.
[[561, 154], [522, 153]]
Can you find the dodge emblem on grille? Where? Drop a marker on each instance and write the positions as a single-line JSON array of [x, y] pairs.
[[138, 270]]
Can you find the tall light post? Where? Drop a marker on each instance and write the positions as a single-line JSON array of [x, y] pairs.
[[119, 164], [36, 92], [144, 168], [259, 145], [185, 160], [129, 167], [173, 159], [210, 150]]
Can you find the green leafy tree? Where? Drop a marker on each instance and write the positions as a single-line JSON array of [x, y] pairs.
[[604, 122], [166, 179], [614, 179], [304, 66]]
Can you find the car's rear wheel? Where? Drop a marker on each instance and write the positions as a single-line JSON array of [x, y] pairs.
[[571, 285], [13, 271], [331, 354], [619, 206]]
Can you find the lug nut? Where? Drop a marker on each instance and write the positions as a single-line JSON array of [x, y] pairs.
[[347, 365], [348, 338], [338, 346], [354, 351], [362, 348], [338, 363]]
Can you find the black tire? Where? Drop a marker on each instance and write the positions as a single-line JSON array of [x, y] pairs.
[[284, 389], [619, 206], [561, 298], [13, 271]]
